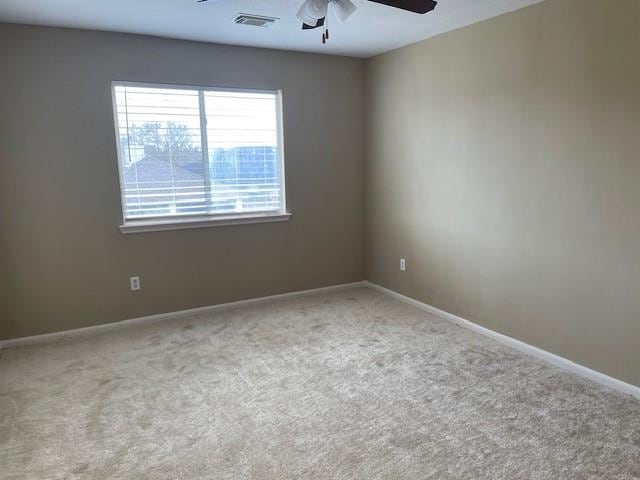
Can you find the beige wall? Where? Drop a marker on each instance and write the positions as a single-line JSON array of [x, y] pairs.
[[64, 262], [503, 161]]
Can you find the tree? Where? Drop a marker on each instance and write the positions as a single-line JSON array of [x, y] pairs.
[[173, 138], [177, 138]]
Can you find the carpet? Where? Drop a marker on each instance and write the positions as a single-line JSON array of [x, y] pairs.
[[348, 384]]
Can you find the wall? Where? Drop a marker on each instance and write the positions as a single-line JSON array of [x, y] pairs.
[[503, 161], [64, 262]]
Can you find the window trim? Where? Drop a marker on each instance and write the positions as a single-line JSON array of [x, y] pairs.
[[189, 221]]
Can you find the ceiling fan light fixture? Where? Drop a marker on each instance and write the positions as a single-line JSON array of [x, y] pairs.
[[344, 9], [313, 13], [312, 10]]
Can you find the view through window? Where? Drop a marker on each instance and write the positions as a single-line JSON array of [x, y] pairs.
[[198, 151]]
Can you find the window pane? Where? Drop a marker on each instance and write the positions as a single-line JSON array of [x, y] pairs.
[[173, 162], [244, 160], [161, 151]]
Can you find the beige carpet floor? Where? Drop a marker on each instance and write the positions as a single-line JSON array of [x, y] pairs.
[[342, 385]]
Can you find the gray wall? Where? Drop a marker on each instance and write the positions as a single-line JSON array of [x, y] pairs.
[[504, 163], [64, 262]]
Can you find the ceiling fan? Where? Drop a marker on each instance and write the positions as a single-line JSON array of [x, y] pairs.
[[313, 13]]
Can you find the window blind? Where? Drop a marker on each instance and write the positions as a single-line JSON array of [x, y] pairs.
[[193, 151]]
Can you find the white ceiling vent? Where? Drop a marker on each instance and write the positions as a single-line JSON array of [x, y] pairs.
[[254, 20]]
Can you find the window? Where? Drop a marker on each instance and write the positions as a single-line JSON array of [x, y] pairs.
[[190, 156]]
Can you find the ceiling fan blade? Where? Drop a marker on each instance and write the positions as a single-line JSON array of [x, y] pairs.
[[415, 6], [312, 10], [318, 23], [344, 9]]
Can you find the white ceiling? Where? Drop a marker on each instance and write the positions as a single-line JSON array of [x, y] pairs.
[[373, 29]]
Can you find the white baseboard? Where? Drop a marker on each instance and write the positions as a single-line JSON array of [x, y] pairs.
[[53, 337], [556, 360]]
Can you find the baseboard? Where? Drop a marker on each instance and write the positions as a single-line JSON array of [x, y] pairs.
[[551, 358], [556, 360], [53, 337]]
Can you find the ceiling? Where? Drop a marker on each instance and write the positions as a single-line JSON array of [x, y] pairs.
[[373, 29]]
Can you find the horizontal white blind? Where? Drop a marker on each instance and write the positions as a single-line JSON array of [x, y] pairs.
[[188, 151]]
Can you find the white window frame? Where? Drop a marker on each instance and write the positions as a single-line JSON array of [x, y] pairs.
[[181, 222]]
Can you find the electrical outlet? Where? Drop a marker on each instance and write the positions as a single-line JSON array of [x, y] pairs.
[[403, 264], [135, 283]]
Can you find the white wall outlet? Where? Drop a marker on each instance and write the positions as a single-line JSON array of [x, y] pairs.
[[135, 283], [403, 264]]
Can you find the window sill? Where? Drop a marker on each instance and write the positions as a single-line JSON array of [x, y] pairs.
[[143, 226]]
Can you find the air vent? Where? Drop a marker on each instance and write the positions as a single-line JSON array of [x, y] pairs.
[[254, 20]]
